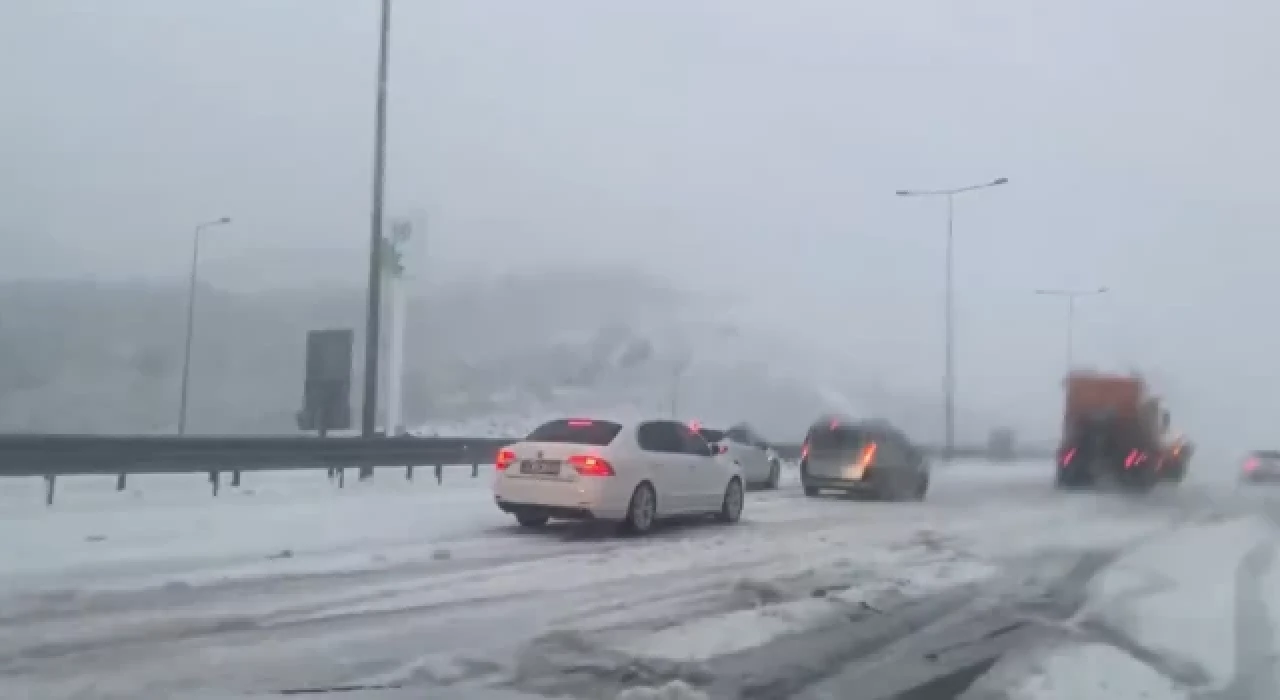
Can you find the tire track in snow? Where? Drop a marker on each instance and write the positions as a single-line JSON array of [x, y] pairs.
[[1256, 654]]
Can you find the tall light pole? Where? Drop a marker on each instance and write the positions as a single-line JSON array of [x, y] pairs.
[[1071, 295], [949, 377], [372, 327], [191, 320]]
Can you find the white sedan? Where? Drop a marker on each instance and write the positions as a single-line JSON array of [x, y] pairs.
[[760, 464], [634, 474]]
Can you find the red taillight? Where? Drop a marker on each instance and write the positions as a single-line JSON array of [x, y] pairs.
[[865, 457], [1068, 456], [588, 465], [868, 454], [1251, 464], [1135, 458], [804, 451], [579, 423], [506, 456]]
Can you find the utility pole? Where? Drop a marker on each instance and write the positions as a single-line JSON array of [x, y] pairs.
[[373, 310], [1071, 295], [948, 372], [191, 320]]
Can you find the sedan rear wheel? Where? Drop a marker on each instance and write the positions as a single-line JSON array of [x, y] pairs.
[[731, 506], [642, 510]]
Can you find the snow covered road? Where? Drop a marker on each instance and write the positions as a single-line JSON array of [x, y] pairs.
[[292, 584]]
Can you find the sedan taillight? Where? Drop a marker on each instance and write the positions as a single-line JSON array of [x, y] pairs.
[[506, 456], [590, 465]]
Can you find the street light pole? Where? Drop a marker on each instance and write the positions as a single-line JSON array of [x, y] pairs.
[[191, 320], [1071, 295], [949, 376], [372, 328]]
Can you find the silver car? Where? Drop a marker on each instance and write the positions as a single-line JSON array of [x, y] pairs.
[[862, 458], [1261, 465]]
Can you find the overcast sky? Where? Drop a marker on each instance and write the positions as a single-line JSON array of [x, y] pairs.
[[744, 146]]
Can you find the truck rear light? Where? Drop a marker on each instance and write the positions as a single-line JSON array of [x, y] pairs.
[[1068, 456], [1251, 464], [1134, 458], [804, 451], [506, 456], [590, 465]]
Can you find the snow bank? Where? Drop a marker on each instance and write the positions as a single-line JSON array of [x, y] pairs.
[[168, 527], [1160, 622], [1094, 671], [1175, 597]]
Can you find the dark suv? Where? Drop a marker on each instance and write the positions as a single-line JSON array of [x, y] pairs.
[[864, 458]]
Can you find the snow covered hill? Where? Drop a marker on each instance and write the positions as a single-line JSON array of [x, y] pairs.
[[488, 356]]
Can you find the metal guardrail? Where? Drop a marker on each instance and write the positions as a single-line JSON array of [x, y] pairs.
[[45, 455], [50, 456]]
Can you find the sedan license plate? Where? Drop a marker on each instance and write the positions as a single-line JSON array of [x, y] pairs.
[[540, 466]]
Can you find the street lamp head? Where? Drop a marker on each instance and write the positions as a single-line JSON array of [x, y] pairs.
[[1000, 181], [903, 193], [1103, 290], [224, 220]]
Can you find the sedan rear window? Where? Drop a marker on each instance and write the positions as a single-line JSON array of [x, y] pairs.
[[710, 435], [576, 431]]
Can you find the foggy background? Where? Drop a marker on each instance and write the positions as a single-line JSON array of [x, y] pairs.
[[670, 169]]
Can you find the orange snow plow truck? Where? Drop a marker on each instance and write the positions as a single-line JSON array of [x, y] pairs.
[[1114, 432]]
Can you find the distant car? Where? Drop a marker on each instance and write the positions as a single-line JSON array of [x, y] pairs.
[[631, 473], [760, 465], [864, 458], [1261, 465]]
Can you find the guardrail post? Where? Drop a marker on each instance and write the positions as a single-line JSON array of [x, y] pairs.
[[475, 469], [120, 481], [439, 473], [235, 479], [408, 473], [342, 477], [49, 482], [215, 482]]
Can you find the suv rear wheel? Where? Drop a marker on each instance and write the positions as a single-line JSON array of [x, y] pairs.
[[531, 519]]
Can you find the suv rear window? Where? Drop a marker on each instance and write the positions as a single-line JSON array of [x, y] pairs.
[[576, 431], [710, 435], [827, 438]]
